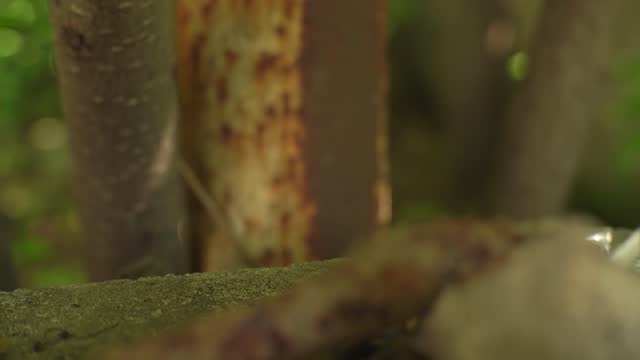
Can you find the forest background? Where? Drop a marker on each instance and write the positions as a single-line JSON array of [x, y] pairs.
[[441, 106]]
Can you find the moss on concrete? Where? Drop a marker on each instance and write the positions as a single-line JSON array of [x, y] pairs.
[[70, 322]]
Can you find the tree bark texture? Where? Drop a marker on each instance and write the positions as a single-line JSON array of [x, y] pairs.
[[283, 106], [550, 117], [115, 61]]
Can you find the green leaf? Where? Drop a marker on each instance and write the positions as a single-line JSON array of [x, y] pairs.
[[11, 42], [57, 277], [517, 65], [31, 250]]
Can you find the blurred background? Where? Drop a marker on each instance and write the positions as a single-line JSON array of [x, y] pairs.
[[453, 66]]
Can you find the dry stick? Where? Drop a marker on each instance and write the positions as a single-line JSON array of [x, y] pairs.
[[396, 277], [214, 210]]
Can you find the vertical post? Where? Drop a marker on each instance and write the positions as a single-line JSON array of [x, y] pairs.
[[284, 116]]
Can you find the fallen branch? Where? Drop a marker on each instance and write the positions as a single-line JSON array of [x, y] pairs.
[[460, 284], [394, 279]]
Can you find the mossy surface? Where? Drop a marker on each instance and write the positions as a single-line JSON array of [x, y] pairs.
[[71, 322]]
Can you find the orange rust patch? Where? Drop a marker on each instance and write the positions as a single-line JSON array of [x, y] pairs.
[[250, 224], [285, 220], [268, 256], [287, 257], [286, 104], [248, 4], [270, 111], [289, 8], [206, 8], [265, 63], [230, 57], [281, 31]]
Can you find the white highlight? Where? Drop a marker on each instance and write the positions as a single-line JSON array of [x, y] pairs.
[[628, 252]]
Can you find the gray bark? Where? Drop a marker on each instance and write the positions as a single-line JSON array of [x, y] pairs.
[[550, 118], [115, 62]]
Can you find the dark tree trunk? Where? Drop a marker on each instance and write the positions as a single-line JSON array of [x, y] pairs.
[[551, 116], [284, 107], [469, 44], [115, 62], [8, 277]]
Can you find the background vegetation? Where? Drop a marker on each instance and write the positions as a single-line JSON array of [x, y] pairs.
[[36, 199]]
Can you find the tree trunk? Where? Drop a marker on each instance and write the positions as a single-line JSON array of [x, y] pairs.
[[550, 117], [284, 124], [115, 62], [8, 278], [468, 44]]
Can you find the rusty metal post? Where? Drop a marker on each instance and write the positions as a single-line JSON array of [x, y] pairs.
[[284, 123]]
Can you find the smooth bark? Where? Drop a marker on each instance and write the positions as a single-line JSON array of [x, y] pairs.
[[116, 64], [550, 118]]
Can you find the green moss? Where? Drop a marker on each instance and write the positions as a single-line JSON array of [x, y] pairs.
[[69, 322]]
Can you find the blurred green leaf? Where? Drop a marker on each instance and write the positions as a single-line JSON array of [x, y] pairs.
[[57, 276], [31, 250], [21, 11], [517, 65], [420, 212], [401, 11], [11, 42]]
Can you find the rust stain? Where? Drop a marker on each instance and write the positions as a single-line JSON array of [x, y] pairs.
[[281, 32], [270, 112], [207, 8], [230, 57], [286, 103], [225, 133], [248, 5], [250, 224], [265, 63], [222, 90], [287, 257], [267, 258], [285, 220], [289, 7]]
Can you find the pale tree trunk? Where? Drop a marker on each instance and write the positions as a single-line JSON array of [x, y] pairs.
[[551, 115], [115, 62], [284, 109]]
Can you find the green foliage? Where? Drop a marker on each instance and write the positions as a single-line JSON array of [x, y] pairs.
[[34, 164], [31, 250], [57, 276], [401, 12], [517, 65]]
